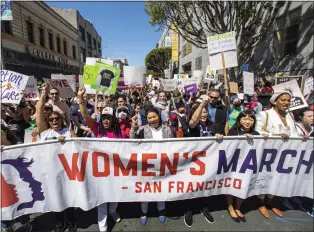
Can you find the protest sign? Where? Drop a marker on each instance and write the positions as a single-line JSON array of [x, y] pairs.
[[167, 73], [107, 78], [6, 11], [234, 88], [63, 87], [308, 85], [71, 79], [92, 61], [248, 83], [31, 90], [168, 85], [221, 43], [210, 73], [127, 170], [192, 88], [134, 75], [245, 67], [282, 79], [230, 58], [297, 100], [12, 86]]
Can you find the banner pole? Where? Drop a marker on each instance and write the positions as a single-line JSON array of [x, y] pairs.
[[225, 74]]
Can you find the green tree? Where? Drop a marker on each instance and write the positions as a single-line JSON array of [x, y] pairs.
[[195, 20], [157, 60]]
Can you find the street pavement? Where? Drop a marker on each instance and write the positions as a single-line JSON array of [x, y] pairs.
[[293, 220]]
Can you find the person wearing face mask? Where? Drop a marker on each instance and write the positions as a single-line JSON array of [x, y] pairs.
[[234, 109], [277, 121], [123, 116]]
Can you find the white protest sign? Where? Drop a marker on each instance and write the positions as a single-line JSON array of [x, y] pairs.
[[221, 43], [70, 78], [230, 57], [12, 85], [134, 75], [168, 85], [308, 85], [149, 79], [210, 73], [297, 100], [31, 90], [248, 83], [92, 61], [63, 87], [167, 73], [91, 91]]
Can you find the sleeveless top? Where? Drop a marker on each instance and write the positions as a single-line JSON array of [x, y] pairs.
[[51, 134]]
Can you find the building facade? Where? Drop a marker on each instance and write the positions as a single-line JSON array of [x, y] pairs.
[[88, 37], [38, 42]]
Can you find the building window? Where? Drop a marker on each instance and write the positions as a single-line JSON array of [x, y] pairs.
[[198, 63], [94, 43], [83, 55], [42, 37], [65, 47], [6, 27], [58, 45], [82, 33], [89, 39], [74, 51], [50, 38], [30, 31], [292, 32]]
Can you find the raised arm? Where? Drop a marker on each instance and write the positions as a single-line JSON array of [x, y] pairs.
[[41, 121], [89, 120]]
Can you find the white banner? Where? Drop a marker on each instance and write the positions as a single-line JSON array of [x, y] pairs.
[[95, 171], [248, 83], [134, 75], [31, 90], [62, 85], [12, 86], [71, 79]]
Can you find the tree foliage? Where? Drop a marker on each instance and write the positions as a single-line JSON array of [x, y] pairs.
[[195, 20], [157, 60]]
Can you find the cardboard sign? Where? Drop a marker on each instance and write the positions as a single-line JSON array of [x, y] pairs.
[[210, 73], [134, 75], [31, 90], [168, 85], [221, 43], [12, 86], [62, 85], [297, 100], [248, 83], [70, 78], [230, 57], [188, 89], [234, 88], [308, 86], [283, 79]]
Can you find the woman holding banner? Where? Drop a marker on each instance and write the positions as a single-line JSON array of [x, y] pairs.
[[107, 127], [277, 121], [153, 130], [50, 127]]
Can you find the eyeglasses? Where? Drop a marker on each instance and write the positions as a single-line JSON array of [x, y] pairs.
[[214, 97], [54, 119], [54, 94]]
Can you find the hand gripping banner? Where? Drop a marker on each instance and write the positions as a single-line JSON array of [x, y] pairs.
[[50, 176]]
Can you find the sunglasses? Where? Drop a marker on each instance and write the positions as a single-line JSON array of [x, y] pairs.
[[54, 119], [214, 97], [122, 110], [106, 116], [54, 94]]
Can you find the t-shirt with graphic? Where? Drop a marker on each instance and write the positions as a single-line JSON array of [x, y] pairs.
[[51, 134]]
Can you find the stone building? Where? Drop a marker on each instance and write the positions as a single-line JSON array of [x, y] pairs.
[[38, 41], [88, 37]]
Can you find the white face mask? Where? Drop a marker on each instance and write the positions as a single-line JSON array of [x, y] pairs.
[[122, 115]]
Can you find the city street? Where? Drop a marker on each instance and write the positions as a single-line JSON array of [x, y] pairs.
[[293, 220]]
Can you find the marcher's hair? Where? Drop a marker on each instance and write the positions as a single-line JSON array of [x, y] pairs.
[[214, 91], [122, 96], [147, 105], [153, 110], [115, 125], [54, 89], [11, 137], [302, 111], [237, 125]]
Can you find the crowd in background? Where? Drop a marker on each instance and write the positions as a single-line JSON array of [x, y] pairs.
[[155, 114]]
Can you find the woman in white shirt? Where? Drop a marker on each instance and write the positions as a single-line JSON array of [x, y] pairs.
[[277, 121], [153, 130]]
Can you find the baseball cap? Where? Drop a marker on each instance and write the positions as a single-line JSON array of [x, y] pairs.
[[108, 111]]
